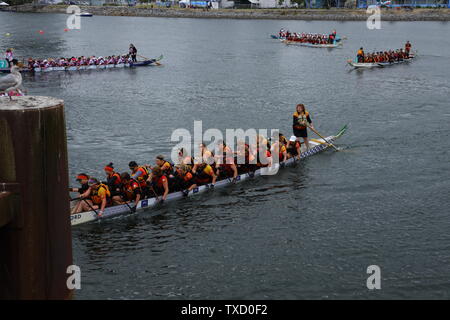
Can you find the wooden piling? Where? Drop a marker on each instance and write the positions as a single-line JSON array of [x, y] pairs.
[[35, 231]]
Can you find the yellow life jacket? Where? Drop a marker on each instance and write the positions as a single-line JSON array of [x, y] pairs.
[[301, 119], [96, 194]]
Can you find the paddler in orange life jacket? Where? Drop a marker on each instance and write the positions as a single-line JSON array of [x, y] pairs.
[[130, 191], [140, 174], [225, 166], [113, 180], [98, 197], [301, 119], [160, 183], [184, 179], [83, 179], [279, 147]]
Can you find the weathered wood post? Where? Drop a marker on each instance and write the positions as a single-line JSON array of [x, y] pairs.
[[35, 231]]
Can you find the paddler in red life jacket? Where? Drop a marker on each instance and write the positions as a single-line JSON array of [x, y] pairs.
[[331, 38], [301, 119], [130, 190], [98, 197], [140, 174], [160, 183], [83, 179], [225, 166], [407, 48], [113, 180], [293, 148]]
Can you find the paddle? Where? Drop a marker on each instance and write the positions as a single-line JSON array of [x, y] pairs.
[[89, 205], [329, 143], [154, 192], [156, 60], [133, 210]]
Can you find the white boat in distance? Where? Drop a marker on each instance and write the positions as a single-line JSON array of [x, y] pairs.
[[84, 14]]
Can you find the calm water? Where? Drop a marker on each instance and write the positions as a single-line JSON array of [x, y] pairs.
[[309, 232]]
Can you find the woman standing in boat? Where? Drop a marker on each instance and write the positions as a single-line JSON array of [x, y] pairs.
[[301, 120], [133, 52]]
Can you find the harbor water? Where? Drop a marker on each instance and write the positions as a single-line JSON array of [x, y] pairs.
[[309, 232]]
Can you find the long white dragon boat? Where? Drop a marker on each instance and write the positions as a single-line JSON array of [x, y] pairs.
[[90, 67], [369, 65], [316, 146], [307, 44]]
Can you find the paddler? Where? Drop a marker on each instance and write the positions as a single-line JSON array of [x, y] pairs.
[[332, 37], [159, 183], [98, 197], [263, 154], [113, 180], [226, 170], [207, 156], [407, 48], [9, 56], [83, 179], [184, 179], [140, 174], [301, 119], [360, 55], [225, 166], [293, 148], [283, 138], [280, 147], [184, 158], [204, 174], [133, 52], [246, 161], [165, 166], [130, 191]]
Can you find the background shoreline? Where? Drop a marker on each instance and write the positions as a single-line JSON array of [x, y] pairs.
[[442, 14]]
